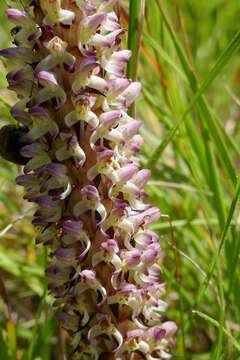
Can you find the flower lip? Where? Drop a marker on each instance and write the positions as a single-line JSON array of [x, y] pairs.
[[53, 169], [66, 255], [46, 78], [34, 36], [132, 93], [89, 192], [151, 254], [93, 21], [110, 246], [132, 257], [127, 172], [106, 155], [38, 111], [16, 15], [88, 64], [17, 53], [110, 116], [88, 276], [73, 227], [170, 327]]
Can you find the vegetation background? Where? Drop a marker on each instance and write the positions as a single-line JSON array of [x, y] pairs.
[[187, 57]]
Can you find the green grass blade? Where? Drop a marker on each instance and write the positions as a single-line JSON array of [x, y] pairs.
[[214, 180], [198, 98], [222, 241], [164, 55], [136, 17], [215, 323], [221, 62]]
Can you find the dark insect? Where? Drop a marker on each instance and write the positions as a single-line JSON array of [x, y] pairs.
[[11, 141]]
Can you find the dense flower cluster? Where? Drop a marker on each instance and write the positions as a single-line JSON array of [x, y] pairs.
[[68, 71]]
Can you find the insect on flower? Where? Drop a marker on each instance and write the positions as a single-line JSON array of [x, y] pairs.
[[12, 139]]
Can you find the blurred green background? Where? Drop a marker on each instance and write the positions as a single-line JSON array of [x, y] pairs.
[[192, 148]]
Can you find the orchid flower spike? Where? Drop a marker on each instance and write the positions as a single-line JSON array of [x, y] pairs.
[[83, 174]]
